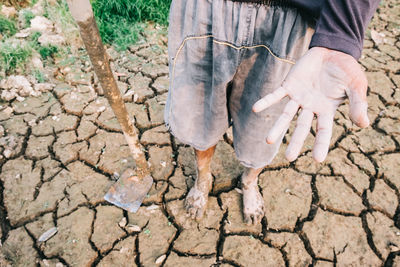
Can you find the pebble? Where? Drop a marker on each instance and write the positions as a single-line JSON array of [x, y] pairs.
[[152, 207], [239, 190], [41, 24], [133, 228], [124, 250], [22, 34], [160, 259], [129, 93], [7, 153], [8, 110], [32, 122], [20, 98], [8, 12], [48, 234], [123, 222]]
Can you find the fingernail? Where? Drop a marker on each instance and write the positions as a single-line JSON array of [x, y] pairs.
[[269, 141], [319, 156], [255, 108]]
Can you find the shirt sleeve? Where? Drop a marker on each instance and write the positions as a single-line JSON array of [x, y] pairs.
[[342, 24]]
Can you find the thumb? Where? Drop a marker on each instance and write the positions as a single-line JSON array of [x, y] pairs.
[[358, 107]]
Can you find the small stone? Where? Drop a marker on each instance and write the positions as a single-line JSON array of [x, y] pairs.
[[41, 24], [133, 228], [22, 34], [8, 12], [160, 259], [152, 207], [20, 98], [51, 39], [239, 190], [8, 110], [16, 84], [44, 87], [48, 234], [123, 222], [7, 153], [66, 70], [377, 37], [32, 123]]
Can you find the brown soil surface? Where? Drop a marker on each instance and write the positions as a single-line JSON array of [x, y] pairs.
[[61, 151]]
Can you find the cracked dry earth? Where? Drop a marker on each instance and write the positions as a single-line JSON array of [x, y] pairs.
[[67, 149]]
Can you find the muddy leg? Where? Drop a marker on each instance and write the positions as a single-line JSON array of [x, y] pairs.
[[196, 200], [253, 203]]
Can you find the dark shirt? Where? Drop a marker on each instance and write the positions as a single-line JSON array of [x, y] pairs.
[[340, 24]]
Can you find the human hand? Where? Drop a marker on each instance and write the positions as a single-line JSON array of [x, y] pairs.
[[318, 83]]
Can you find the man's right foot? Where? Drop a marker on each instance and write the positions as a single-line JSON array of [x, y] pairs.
[[196, 200]]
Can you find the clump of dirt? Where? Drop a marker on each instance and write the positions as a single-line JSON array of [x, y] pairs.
[[18, 87]]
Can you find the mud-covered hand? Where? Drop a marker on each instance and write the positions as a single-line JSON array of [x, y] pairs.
[[318, 83]]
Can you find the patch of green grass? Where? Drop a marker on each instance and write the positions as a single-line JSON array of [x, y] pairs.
[[39, 76], [7, 27], [33, 2], [34, 38], [13, 55], [47, 51], [27, 16], [121, 21]]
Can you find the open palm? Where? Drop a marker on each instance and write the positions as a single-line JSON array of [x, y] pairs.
[[318, 83]]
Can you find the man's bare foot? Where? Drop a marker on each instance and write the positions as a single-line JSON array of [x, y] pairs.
[[196, 200], [253, 203]]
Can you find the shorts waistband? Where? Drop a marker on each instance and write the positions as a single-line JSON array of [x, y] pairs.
[[280, 3]]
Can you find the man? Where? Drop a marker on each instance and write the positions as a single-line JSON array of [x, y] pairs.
[[255, 64]]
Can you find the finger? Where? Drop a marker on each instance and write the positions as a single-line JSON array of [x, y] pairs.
[[269, 99], [300, 134], [358, 109], [323, 138], [282, 124]]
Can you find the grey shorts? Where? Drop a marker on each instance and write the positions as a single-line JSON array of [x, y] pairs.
[[223, 57]]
